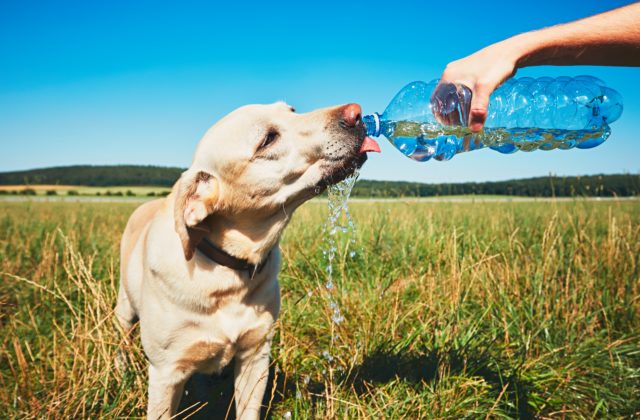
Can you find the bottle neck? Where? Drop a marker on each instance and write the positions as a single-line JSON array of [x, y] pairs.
[[372, 124]]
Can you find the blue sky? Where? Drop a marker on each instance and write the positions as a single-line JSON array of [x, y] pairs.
[[139, 82]]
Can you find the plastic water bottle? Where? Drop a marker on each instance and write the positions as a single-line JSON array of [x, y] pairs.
[[429, 120]]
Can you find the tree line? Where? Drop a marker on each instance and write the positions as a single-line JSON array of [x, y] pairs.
[[622, 185], [95, 176]]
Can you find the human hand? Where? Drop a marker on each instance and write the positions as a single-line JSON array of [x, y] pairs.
[[482, 72]]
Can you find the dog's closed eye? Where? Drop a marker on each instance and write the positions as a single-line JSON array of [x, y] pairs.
[[269, 138]]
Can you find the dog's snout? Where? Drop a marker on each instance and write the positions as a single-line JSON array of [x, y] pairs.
[[351, 114]]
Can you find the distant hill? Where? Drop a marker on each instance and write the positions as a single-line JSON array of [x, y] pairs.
[[95, 176], [622, 185]]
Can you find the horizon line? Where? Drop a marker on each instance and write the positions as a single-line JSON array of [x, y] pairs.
[[550, 175]]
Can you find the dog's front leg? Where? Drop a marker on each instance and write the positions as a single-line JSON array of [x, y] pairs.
[[251, 373], [164, 393]]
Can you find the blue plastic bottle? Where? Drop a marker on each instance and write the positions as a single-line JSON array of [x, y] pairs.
[[429, 120]]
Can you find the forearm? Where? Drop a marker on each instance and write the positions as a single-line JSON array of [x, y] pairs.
[[611, 38]]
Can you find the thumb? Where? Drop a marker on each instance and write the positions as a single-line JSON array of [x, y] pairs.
[[479, 106]]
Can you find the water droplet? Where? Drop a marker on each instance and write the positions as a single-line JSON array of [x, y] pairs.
[[337, 318], [327, 356]]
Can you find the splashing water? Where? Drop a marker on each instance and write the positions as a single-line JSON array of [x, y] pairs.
[[338, 222], [338, 228]]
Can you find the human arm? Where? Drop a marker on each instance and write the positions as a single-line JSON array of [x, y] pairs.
[[611, 38]]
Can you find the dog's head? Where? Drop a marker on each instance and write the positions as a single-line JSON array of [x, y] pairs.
[[259, 163]]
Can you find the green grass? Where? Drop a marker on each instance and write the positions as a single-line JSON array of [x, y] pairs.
[[138, 191], [452, 310], [63, 190]]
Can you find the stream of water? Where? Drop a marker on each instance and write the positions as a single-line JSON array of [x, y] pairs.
[[340, 233]]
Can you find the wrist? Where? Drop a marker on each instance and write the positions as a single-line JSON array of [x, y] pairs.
[[539, 47], [522, 48]]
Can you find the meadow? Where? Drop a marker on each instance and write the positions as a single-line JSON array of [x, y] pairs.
[[82, 190], [452, 310]]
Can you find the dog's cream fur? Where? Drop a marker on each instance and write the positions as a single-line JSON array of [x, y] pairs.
[[196, 315]]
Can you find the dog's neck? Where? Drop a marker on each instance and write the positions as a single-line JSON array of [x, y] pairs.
[[249, 239]]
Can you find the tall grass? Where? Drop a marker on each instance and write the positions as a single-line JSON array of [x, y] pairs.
[[452, 310]]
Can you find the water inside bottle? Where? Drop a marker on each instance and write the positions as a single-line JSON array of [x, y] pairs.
[[422, 141]]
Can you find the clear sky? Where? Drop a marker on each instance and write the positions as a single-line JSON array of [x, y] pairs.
[[139, 82]]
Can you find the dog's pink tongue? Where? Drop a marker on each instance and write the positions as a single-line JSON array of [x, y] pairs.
[[369, 145]]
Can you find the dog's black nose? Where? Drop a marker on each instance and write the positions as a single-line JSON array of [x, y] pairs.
[[351, 114]]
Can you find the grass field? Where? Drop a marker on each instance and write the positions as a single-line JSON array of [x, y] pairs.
[[63, 190], [451, 310]]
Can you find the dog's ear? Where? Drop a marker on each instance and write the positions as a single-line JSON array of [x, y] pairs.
[[196, 198]]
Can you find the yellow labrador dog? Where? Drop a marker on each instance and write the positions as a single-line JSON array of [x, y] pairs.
[[199, 267]]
